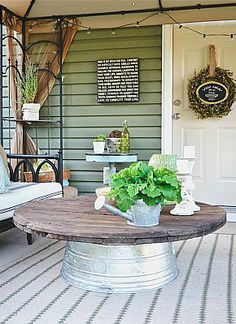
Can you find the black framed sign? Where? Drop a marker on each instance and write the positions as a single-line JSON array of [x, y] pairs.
[[118, 80], [212, 92]]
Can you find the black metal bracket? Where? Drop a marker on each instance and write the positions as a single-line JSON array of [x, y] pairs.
[[39, 42], [29, 8], [137, 11], [15, 39], [26, 161]]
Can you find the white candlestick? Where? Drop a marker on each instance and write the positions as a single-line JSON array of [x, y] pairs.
[[189, 152], [182, 166]]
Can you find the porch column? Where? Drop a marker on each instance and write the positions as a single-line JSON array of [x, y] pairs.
[[60, 47], [1, 78]]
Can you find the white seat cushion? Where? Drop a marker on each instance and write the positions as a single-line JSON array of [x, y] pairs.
[[20, 193]]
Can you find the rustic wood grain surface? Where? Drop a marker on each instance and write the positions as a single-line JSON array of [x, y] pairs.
[[75, 219]]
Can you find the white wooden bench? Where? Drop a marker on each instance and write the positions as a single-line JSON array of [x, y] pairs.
[[20, 193]]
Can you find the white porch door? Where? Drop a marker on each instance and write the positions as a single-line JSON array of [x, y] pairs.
[[215, 139]]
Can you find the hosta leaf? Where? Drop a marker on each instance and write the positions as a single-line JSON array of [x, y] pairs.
[[125, 204], [166, 190], [171, 180], [132, 190], [122, 194], [117, 183], [144, 168], [150, 201], [152, 191]]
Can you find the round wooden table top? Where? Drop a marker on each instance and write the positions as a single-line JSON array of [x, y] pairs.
[[76, 220]]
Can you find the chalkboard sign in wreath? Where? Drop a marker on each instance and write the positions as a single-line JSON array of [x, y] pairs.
[[211, 92], [211, 96]]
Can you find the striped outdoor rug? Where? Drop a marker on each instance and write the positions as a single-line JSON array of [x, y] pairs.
[[31, 290]]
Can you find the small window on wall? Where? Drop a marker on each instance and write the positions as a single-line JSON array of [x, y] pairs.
[[118, 80]]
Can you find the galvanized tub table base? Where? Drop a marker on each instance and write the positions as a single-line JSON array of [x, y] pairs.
[[119, 268], [103, 253]]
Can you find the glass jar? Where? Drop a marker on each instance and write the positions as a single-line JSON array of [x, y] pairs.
[[124, 143]]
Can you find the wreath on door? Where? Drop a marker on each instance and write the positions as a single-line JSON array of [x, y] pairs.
[[211, 92]]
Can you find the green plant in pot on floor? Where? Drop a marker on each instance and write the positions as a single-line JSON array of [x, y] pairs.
[[140, 192]]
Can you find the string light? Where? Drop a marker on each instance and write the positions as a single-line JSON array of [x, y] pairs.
[[231, 36], [55, 25], [195, 30]]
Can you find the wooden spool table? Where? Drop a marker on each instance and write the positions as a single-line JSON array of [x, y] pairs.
[[103, 253]]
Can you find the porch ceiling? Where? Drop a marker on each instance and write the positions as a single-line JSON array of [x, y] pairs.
[[82, 8]]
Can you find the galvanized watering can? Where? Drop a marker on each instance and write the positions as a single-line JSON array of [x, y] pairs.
[[140, 214]]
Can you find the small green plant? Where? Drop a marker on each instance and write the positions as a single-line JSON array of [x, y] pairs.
[[141, 181], [100, 138], [45, 167], [28, 83]]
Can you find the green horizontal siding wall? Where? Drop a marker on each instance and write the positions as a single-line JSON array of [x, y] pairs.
[[84, 118]]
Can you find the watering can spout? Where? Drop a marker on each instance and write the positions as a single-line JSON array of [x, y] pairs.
[[100, 202], [116, 211]]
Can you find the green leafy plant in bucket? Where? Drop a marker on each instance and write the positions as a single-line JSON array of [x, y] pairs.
[[142, 181]]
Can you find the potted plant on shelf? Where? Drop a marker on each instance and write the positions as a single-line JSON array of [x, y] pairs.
[[99, 143], [28, 87], [140, 191]]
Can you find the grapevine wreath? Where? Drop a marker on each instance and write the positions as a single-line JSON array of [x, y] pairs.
[[203, 109]]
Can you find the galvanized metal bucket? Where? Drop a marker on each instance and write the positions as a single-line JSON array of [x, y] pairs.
[[117, 268]]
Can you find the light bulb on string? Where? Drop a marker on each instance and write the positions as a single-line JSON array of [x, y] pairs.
[[204, 37], [113, 32], [55, 26], [34, 23], [180, 27], [231, 37], [89, 31], [137, 24]]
